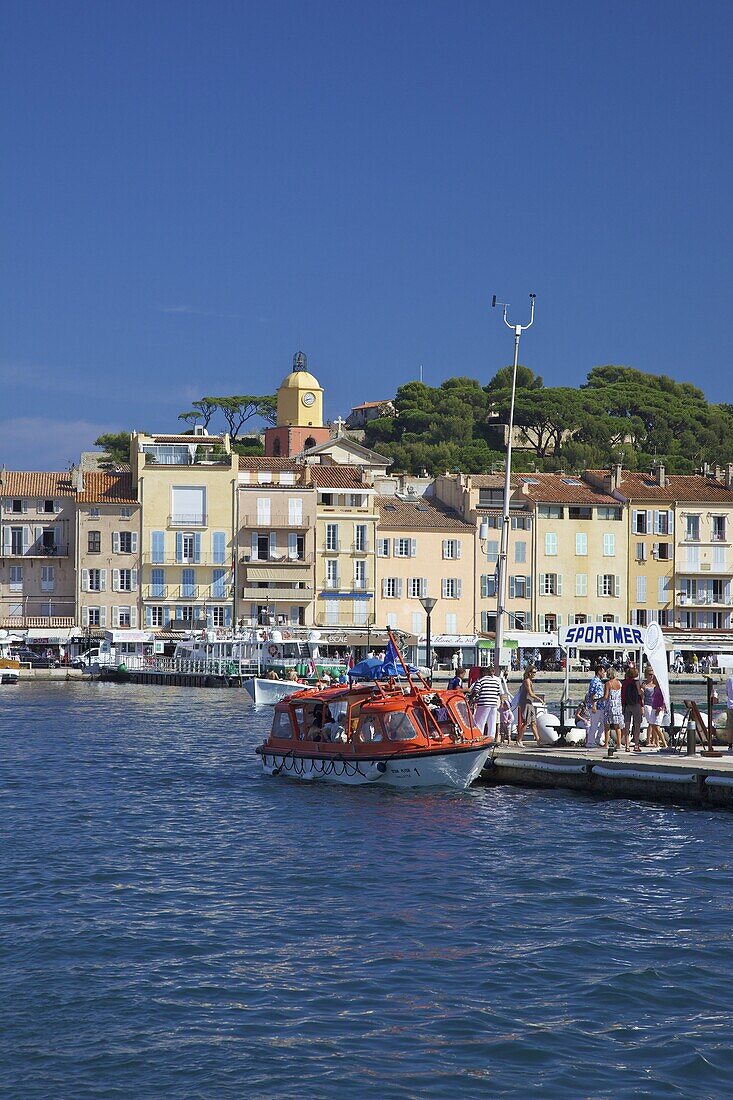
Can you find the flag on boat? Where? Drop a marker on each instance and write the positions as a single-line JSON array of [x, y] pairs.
[[391, 665], [350, 661], [312, 670]]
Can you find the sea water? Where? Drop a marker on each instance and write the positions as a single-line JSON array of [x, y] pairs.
[[176, 924]]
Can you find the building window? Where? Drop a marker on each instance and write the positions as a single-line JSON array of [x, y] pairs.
[[94, 513], [95, 580], [16, 540], [93, 616], [125, 580], [450, 588], [608, 513], [360, 574], [295, 511], [125, 543], [416, 587], [125, 513], [581, 544], [488, 586], [520, 553], [391, 588], [94, 542], [581, 584], [188, 583], [382, 548], [360, 537], [46, 578], [718, 525], [520, 523], [519, 588], [641, 590], [692, 529], [48, 506], [404, 548], [608, 585], [575, 512], [550, 544], [452, 549], [550, 511], [641, 551], [332, 536], [664, 551], [16, 506], [639, 523], [488, 622], [663, 523], [155, 616], [492, 550], [217, 616], [609, 546], [332, 573], [16, 578], [124, 616], [550, 584]]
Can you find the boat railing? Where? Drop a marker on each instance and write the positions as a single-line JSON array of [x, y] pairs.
[[210, 666]]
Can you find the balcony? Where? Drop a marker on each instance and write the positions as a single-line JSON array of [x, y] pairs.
[[58, 550], [277, 595], [195, 519], [203, 559], [256, 523], [276, 559], [182, 593], [357, 548]]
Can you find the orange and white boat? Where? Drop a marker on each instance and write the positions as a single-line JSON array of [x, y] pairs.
[[383, 731]]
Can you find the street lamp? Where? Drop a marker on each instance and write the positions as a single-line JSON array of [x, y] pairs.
[[428, 603], [501, 578]]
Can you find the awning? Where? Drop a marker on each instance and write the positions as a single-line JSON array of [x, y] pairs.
[[531, 639], [52, 635], [115, 636], [377, 639], [691, 642], [291, 573], [456, 640]]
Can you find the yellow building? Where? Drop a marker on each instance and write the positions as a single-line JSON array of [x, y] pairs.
[[276, 529], [186, 485], [107, 551], [346, 520], [426, 549]]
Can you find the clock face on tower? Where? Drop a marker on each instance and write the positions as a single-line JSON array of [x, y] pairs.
[[308, 399]]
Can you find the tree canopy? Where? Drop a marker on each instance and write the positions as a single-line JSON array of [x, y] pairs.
[[116, 446], [236, 411], [618, 414]]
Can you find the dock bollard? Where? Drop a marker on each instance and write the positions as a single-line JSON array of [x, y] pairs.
[[691, 738]]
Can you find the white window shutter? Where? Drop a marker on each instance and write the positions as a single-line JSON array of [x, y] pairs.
[[649, 520], [558, 619], [459, 588], [413, 548], [458, 548], [102, 580], [85, 583], [512, 588], [115, 616], [103, 616], [670, 521], [133, 618], [445, 548], [115, 542], [399, 588], [394, 546], [272, 548], [253, 546], [543, 583], [617, 586], [133, 542], [559, 584], [444, 588], [85, 616], [424, 586], [599, 584], [115, 581], [134, 580], [384, 587], [39, 506]]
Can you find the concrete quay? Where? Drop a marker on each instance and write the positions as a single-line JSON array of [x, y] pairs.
[[700, 780]]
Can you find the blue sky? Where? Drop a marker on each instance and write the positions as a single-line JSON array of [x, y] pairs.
[[193, 191]]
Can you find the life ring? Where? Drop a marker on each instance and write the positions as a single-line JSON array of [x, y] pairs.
[[272, 651]]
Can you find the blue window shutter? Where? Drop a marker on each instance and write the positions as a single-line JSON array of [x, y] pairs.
[[227, 616], [157, 546], [210, 617], [179, 546], [166, 616], [197, 547], [219, 546], [148, 616]]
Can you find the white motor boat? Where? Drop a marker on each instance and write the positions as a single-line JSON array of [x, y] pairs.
[[263, 691]]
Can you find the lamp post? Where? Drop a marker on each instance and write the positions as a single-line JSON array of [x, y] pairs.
[[501, 578], [428, 603]]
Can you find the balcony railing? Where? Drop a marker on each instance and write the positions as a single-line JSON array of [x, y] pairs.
[[277, 558], [344, 620], [183, 519], [203, 559], [254, 523], [185, 592], [272, 595], [58, 550]]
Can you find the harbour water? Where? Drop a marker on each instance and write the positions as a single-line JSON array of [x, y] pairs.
[[176, 925]]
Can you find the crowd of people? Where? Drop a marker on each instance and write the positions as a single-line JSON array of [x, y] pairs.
[[614, 707]]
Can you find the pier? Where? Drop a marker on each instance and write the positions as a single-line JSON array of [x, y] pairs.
[[699, 780]]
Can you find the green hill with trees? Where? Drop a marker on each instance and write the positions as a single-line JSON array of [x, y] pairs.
[[619, 414]]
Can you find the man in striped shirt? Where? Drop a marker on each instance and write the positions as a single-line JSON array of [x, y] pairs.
[[487, 694]]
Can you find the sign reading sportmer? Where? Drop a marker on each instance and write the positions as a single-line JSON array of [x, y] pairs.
[[600, 636]]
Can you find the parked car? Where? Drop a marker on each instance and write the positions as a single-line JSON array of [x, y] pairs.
[[84, 660], [35, 660]]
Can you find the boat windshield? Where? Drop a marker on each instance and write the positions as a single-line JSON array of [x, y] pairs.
[[281, 726], [370, 729], [461, 708], [399, 726]]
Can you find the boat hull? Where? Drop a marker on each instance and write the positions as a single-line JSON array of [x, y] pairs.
[[263, 691], [455, 768]]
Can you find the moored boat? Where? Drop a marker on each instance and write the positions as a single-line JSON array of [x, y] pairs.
[[384, 731]]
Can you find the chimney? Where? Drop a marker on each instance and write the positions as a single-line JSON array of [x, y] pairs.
[[660, 476], [616, 475], [77, 478], [3, 476], [729, 476]]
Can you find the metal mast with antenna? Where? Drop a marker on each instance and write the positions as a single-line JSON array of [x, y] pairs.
[[501, 574]]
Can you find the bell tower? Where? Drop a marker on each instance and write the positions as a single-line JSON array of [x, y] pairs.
[[299, 413]]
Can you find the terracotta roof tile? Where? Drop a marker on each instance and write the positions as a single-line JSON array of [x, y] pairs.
[[419, 515], [30, 483], [678, 487], [559, 489], [107, 488], [259, 462], [337, 477]]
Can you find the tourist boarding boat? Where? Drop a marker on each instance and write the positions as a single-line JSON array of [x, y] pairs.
[[381, 732]]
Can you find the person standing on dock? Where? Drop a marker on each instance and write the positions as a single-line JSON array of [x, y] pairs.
[[632, 695], [526, 707], [594, 703], [487, 694]]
